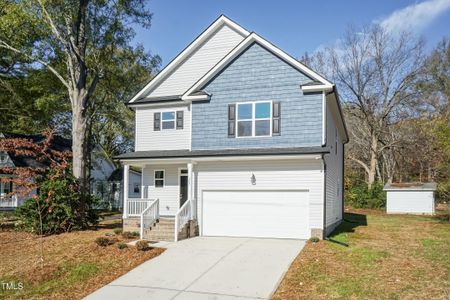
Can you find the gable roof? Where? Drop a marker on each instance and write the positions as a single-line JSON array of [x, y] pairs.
[[188, 52], [194, 91], [249, 40]]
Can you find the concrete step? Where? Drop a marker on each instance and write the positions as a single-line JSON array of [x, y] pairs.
[[160, 232], [166, 221], [162, 228]]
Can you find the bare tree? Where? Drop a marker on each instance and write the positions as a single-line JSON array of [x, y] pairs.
[[376, 72]]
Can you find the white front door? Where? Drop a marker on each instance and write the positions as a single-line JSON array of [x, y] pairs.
[[256, 213]]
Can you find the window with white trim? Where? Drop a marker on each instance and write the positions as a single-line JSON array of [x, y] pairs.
[[159, 178], [168, 120], [5, 189], [254, 119], [3, 157]]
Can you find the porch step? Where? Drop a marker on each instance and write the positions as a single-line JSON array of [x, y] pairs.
[[164, 230]]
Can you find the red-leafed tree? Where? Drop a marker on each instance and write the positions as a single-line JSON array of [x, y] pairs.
[[57, 206], [26, 179]]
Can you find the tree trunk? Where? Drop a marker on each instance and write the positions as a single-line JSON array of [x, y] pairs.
[[79, 142], [373, 161]]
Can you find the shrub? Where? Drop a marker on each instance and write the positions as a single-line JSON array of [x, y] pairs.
[[360, 196], [122, 246], [314, 239], [142, 245], [102, 241], [58, 205], [443, 192], [130, 235], [127, 235], [118, 231]]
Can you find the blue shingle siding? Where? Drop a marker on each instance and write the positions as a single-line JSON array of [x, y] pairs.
[[258, 75]]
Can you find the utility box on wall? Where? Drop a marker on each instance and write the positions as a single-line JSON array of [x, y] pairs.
[[410, 198]]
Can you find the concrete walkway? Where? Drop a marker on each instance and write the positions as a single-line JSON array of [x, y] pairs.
[[208, 268]]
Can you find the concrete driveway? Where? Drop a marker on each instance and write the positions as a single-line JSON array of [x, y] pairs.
[[208, 268]]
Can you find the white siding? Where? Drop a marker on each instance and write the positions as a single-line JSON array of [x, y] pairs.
[[270, 175], [202, 60], [412, 202], [334, 178], [171, 139], [169, 194]]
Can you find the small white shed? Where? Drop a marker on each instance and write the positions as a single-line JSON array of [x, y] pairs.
[[410, 198]]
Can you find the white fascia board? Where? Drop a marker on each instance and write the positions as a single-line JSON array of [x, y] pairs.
[[334, 106], [188, 51], [178, 160], [253, 37], [259, 157], [157, 105], [317, 88], [196, 98]]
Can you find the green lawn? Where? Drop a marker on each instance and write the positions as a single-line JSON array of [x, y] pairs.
[[372, 255]]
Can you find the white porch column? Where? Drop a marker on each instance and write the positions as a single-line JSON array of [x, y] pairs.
[[190, 186], [126, 173]]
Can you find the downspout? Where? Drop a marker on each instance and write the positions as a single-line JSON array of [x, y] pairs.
[[324, 196]]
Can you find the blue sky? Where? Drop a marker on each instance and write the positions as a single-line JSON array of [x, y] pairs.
[[294, 26]]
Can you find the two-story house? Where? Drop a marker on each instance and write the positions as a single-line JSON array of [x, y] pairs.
[[236, 138]]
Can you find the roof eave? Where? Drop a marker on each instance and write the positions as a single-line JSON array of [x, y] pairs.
[[317, 88]]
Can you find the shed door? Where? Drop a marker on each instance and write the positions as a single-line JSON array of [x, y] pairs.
[[271, 214]]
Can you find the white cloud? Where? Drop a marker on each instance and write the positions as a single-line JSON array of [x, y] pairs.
[[414, 17]]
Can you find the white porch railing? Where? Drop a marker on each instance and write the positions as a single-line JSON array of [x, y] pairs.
[[135, 206], [9, 202], [149, 216], [183, 216]]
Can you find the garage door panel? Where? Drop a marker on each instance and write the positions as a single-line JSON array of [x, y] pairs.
[[278, 214]]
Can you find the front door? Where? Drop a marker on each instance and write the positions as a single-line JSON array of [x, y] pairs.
[[183, 187]]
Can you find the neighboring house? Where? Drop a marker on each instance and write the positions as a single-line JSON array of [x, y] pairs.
[[110, 190], [410, 198], [102, 169], [239, 138]]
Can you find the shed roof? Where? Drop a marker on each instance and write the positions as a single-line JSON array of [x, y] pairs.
[[411, 186], [186, 153]]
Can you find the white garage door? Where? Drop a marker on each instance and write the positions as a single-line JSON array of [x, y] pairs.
[[274, 214]]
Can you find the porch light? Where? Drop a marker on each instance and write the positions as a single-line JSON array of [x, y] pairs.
[[253, 179]]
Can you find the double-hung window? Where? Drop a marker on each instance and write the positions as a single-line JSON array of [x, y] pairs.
[[168, 120], [159, 178], [254, 119]]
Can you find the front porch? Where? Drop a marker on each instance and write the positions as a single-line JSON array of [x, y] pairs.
[[166, 210], [9, 202]]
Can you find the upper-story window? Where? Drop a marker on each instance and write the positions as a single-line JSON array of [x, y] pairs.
[[3, 157], [254, 119], [168, 120]]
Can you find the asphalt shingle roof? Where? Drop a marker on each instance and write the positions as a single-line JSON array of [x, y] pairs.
[[227, 152]]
